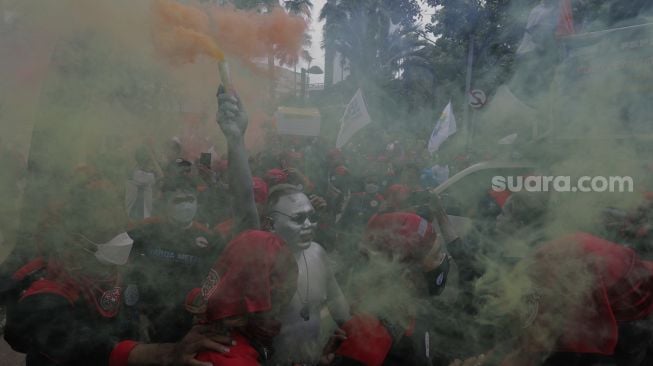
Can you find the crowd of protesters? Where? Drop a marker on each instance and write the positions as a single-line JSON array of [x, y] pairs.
[[305, 255]]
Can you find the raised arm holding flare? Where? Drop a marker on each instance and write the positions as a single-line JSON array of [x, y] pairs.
[[233, 121]]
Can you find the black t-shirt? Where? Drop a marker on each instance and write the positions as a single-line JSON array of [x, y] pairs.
[[168, 261]]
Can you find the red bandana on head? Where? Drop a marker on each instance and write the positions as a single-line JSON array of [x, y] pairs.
[[341, 171], [276, 176], [261, 190], [335, 157], [397, 194], [403, 234], [252, 266], [618, 283]]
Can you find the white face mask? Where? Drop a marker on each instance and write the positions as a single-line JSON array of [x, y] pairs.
[[115, 251], [184, 213], [182, 208]]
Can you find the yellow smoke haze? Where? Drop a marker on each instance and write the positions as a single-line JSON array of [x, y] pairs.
[[86, 83]]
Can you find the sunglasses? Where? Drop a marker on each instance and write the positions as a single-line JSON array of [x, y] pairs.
[[300, 218]]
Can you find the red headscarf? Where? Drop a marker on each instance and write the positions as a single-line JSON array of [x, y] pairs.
[[368, 341], [341, 171], [252, 266], [619, 288], [397, 194], [275, 176], [335, 157], [500, 197], [405, 235], [261, 190]]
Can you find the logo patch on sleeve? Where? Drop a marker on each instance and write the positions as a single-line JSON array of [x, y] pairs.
[[110, 299], [210, 283]]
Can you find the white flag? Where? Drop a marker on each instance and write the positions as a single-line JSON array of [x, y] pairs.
[[355, 118], [445, 127], [508, 140]]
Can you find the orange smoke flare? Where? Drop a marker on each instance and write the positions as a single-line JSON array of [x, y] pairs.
[[248, 34], [181, 32], [182, 45], [180, 15]]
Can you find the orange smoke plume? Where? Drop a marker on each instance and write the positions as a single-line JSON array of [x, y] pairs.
[[250, 34], [181, 32], [170, 12], [183, 45]]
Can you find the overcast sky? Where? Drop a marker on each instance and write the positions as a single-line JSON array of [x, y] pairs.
[[316, 33]]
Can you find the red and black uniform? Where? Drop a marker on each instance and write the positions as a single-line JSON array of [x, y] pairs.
[[255, 269], [166, 262], [58, 318]]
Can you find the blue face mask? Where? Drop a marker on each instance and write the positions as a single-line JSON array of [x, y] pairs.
[[183, 212]]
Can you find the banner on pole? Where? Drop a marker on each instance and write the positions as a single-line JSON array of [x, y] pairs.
[[355, 118], [298, 121], [445, 127]]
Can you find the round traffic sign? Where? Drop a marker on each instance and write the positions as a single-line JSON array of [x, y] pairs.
[[477, 98]]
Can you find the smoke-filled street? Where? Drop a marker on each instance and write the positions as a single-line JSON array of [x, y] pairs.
[[326, 182]]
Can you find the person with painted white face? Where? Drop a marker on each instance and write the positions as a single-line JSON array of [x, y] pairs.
[[291, 216]]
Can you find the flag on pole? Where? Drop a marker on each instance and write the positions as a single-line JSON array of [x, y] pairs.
[[508, 140], [445, 127], [565, 20], [545, 19], [355, 118]]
